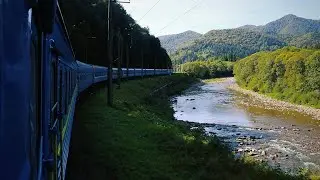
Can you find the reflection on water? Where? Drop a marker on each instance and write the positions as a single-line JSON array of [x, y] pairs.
[[210, 103]]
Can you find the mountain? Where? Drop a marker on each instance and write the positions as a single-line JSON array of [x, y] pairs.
[[233, 44], [172, 42], [288, 25], [292, 25], [228, 44]]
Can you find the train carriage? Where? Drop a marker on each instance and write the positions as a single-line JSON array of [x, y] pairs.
[[39, 84]]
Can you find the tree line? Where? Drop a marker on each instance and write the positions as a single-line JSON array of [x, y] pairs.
[[207, 69], [86, 21], [289, 73]]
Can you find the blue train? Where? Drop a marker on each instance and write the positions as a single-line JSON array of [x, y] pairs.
[[40, 81]]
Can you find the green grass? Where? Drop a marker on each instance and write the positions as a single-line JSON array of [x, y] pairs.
[[140, 139]]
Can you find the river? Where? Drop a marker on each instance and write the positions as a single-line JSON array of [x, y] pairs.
[[283, 138]]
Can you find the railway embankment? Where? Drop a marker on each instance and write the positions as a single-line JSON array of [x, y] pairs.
[[138, 138]]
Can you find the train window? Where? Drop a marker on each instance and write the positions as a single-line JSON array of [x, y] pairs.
[[54, 88], [66, 90], [60, 89], [70, 85]]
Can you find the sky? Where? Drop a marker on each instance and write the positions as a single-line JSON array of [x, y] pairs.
[[176, 16]]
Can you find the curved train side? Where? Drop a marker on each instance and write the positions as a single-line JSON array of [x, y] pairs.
[[89, 74], [40, 81]]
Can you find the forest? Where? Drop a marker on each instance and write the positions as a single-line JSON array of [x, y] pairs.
[[86, 21], [208, 69], [290, 74]]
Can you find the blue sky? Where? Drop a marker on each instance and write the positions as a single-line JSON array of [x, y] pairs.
[[169, 17]]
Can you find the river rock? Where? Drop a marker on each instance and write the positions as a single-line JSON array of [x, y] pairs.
[[263, 153], [252, 154], [273, 157], [194, 108], [296, 129]]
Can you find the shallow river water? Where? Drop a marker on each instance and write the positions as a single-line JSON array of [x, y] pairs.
[[285, 139]]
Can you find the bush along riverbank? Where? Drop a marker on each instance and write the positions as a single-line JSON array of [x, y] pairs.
[[211, 68], [140, 139], [289, 74]]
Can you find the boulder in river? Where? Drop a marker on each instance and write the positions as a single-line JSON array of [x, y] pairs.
[[194, 108]]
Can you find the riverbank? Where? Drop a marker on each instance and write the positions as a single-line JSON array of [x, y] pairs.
[[140, 139], [278, 104], [282, 138]]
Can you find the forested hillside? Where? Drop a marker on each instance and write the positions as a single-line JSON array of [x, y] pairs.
[[86, 23], [172, 42], [230, 44], [290, 74], [234, 44]]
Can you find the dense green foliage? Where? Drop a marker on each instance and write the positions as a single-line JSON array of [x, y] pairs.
[[171, 42], [139, 139], [208, 69], [290, 74], [234, 44], [86, 21]]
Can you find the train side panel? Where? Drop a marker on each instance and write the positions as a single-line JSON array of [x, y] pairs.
[[16, 135]]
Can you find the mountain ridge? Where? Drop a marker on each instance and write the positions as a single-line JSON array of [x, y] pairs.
[[236, 43], [171, 42]]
